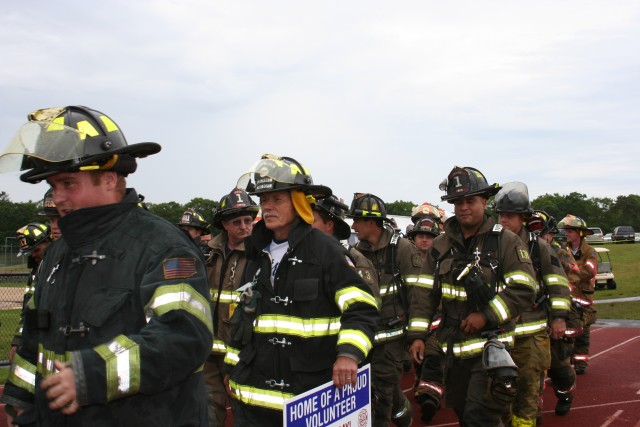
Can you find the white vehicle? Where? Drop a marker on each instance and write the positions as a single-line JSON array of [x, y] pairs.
[[605, 271]]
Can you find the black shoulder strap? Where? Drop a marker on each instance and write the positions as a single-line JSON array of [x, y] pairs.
[[534, 253], [491, 248], [390, 262]]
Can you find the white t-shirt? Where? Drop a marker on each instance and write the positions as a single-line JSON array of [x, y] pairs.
[[277, 251]]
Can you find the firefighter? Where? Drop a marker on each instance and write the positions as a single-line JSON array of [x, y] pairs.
[[121, 323], [328, 214], [422, 233], [234, 216], [483, 277], [430, 374], [295, 276], [586, 268], [532, 348], [197, 228], [49, 210], [562, 374], [33, 239], [398, 264]]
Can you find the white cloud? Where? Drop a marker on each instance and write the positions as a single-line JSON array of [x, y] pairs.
[[370, 96]]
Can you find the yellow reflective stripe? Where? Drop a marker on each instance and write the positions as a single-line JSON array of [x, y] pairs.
[[355, 338], [56, 124], [122, 363], [352, 295], [23, 374], [180, 296], [388, 335], [46, 358], [516, 421], [560, 304], [410, 279], [519, 277], [259, 397], [475, 346], [218, 346], [453, 292], [527, 328], [226, 297], [85, 129], [499, 307], [388, 289], [418, 324], [555, 280], [108, 123], [425, 281], [297, 326], [231, 356]]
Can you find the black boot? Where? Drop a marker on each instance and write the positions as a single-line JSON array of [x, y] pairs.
[[563, 406], [403, 418], [429, 405]]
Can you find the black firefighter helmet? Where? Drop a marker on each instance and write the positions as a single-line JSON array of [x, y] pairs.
[[335, 209], [236, 203], [275, 173], [71, 139], [466, 181]]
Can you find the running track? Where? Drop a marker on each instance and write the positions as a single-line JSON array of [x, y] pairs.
[[608, 395]]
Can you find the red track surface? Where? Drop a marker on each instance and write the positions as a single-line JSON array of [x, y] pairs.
[[608, 395]]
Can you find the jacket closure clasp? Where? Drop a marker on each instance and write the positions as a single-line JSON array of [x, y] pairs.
[[94, 257], [283, 342], [279, 300], [274, 383], [294, 260], [68, 330]]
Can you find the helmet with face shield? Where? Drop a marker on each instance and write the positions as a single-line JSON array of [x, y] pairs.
[[275, 173], [71, 139]]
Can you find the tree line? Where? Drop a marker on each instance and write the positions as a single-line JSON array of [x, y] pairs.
[[605, 213]]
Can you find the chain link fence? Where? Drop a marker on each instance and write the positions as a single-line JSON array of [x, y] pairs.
[[12, 288], [9, 258]]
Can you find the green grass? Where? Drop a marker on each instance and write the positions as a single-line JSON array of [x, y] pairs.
[[9, 321], [619, 310], [625, 261]]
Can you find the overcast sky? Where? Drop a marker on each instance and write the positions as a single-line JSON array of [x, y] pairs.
[[371, 96]]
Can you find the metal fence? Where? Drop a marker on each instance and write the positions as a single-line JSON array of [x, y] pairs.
[[9, 255], [12, 287]]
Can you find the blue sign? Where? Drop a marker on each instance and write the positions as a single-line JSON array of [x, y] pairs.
[[328, 406]]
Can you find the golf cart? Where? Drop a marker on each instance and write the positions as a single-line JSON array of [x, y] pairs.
[[605, 271]]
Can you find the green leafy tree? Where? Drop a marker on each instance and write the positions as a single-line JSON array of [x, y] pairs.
[[171, 211], [626, 211], [16, 215], [204, 207], [400, 207]]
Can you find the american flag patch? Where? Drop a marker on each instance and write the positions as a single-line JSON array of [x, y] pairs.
[[179, 268]]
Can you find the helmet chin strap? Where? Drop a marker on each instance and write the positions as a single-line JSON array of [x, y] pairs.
[[106, 166]]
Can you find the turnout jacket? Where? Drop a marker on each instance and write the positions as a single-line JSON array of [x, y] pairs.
[[319, 308], [366, 270], [394, 296], [123, 298], [585, 270], [552, 287], [515, 286], [225, 276]]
